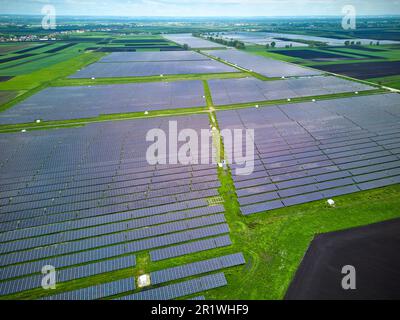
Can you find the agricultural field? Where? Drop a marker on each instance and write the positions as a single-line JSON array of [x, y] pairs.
[[77, 191]]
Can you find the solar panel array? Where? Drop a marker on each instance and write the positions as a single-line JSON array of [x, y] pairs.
[[154, 56], [196, 268], [329, 41], [183, 249], [180, 289], [191, 41], [262, 65], [64, 275], [261, 38], [85, 199], [115, 67], [63, 103], [313, 151], [100, 291], [246, 90]]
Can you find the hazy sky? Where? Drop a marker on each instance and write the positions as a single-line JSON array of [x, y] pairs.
[[194, 8]]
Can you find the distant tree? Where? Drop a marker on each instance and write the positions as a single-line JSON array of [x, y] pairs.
[[186, 46], [267, 46], [273, 44], [240, 45], [347, 43], [371, 43], [378, 43]]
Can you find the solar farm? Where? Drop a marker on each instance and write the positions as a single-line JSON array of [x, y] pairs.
[[266, 67], [263, 38], [137, 64], [315, 151], [78, 193]]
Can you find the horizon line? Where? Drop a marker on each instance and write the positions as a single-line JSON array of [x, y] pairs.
[[211, 16]]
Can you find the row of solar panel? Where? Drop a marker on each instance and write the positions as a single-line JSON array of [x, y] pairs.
[[327, 136], [104, 169], [108, 221], [59, 183], [100, 291], [24, 284], [180, 289], [100, 212], [125, 203], [307, 184], [192, 247], [196, 268], [351, 133], [135, 246], [307, 152], [317, 168], [107, 190], [91, 136], [101, 197], [296, 141], [124, 166], [99, 241], [319, 196], [45, 240], [319, 155], [301, 178], [88, 195], [314, 196], [286, 158], [50, 192], [22, 269], [35, 267]]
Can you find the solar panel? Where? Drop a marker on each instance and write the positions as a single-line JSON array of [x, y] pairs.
[[97, 292], [191, 41], [151, 68], [87, 102], [250, 90], [192, 247], [262, 65], [31, 282], [180, 289], [313, 151], [196, 268]]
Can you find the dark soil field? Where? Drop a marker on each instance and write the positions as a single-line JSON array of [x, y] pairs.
[[364, 70], [314, 55], [355, 52], [361, 48], [5, 78], [60, 48], [371, 250], [22, 56]]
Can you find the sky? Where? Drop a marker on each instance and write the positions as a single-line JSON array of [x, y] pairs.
[[201, 8]]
